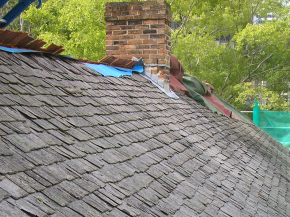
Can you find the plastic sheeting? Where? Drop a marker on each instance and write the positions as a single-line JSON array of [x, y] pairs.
[[200, 93], [114, 71], [277, 125], [16, 50]]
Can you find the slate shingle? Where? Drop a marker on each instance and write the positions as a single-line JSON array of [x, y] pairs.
[[74, 143]]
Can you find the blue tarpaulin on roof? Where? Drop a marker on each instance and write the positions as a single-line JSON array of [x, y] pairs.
[[16, 50], [114, 71], [105, 70]]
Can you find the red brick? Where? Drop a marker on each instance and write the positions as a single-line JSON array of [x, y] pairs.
[[150, 41], [156, 36], [134, 22], [151, 11], [128, 47], [126, 17], [150, 51], [125, 12], [109, 42], [108, 47], [120, 22], [160, 31], [134, 41], [149, 31], [134, 12], [164, 51], [146, 37], [127, 27], [124, 37], [112, 37], [157, 56], [150, 61], [134, 51], [150, 21], [114, 52], [120, 42], [161, 61], [119, 32], [113, 28], [126, 56], [137, 7], [161, 41], [134, 31], [144, 56], [142, 46], [158, 46], [142, 27], [157, 26]]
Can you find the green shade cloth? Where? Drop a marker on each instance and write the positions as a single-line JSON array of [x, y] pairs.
[[277, 125]]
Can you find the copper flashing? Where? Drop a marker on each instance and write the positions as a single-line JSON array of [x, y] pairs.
[[15, 39]]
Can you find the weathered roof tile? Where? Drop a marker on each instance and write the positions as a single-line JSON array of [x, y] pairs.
[[120, 147], [14, 190]]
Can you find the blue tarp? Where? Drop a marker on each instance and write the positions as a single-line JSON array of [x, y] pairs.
[[16, 50], [102, 69], [114, 71]]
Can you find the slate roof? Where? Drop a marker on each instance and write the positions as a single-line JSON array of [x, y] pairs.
[[75, 143]]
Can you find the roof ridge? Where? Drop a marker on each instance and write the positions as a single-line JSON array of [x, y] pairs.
[[113, 61]]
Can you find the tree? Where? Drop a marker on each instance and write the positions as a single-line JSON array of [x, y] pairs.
[[269, 100], [244, 52], [77, 25]]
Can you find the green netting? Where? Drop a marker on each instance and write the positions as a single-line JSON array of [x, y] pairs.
[[277, 125]]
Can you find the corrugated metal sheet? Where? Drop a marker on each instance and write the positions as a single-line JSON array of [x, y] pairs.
[[15, 39]]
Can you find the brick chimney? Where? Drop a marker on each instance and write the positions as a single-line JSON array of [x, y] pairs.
[[141, 29]]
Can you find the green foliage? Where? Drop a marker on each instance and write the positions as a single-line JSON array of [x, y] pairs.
[[268, 100], [77, 25], [244, 52]]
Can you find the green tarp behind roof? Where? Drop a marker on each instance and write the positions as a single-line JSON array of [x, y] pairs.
[[198, 92]]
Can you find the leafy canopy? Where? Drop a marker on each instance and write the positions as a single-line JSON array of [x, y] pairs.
[[77, 25]]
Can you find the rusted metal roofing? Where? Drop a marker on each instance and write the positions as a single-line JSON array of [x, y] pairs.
[[15, 39], [113, 61]]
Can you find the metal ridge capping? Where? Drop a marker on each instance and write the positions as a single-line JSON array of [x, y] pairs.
[[15, 39]]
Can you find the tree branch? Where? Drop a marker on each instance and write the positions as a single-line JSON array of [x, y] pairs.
[[275, 68], [185, 20], [260, 64], [226, 80]]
